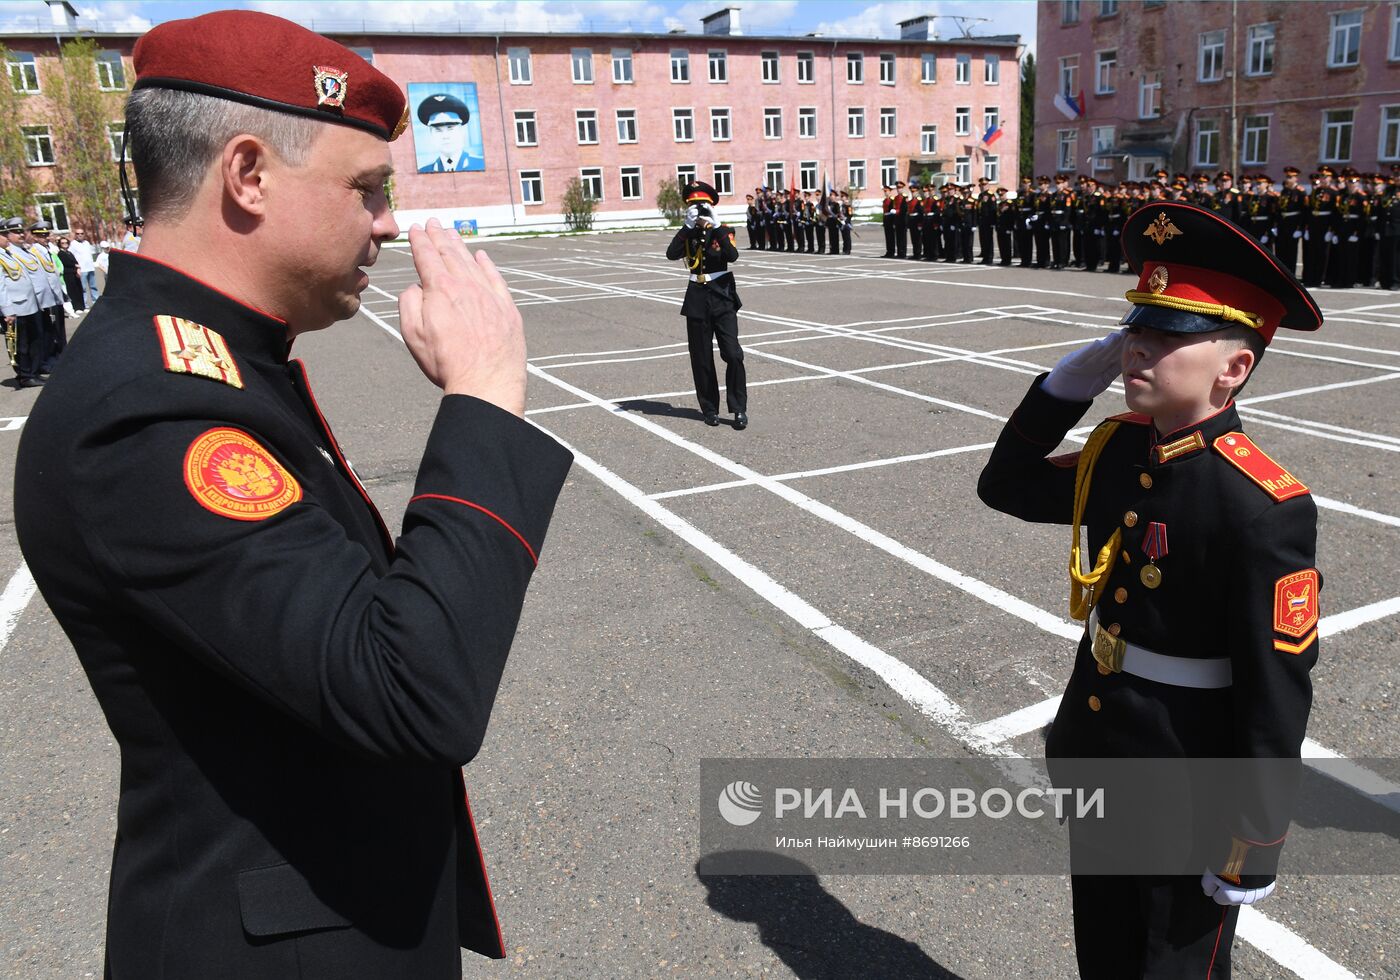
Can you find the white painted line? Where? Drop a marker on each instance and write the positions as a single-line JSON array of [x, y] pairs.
[[1018, 723], [1250, 412], [1316, 389], [13, 423], [1330, 504], [18, 591], [1352, 618], [1287, 948]]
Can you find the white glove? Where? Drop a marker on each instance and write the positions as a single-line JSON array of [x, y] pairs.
[[692, 214], [1353, 238], [1225, 893], [1083, 374], [704, 213], [1307, 236], [1263, 239], [1298, 233]]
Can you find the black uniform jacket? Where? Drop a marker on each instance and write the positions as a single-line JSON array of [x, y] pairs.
[[293, 696], [716, 245], [1229, 546]]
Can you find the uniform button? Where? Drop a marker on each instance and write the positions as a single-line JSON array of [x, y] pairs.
[[1103, 670], [1127, 558], [1130, 518], [1094, 703], [1115, 629], [1146, 480], [1120, 595]]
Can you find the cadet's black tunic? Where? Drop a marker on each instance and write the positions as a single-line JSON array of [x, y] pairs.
[[293, 696]]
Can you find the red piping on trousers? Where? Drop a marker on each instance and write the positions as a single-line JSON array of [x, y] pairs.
[[496, 517], [1211, 967]]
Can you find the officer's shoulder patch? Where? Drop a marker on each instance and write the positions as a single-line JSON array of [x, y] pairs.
[[1253, 462], [192, 348], [1132, 418], [231, 474], [1296, 610]]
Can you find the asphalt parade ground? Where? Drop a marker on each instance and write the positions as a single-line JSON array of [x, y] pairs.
[[824, 584]]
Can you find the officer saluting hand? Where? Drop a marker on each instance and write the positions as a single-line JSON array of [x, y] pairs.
[[293, 689]]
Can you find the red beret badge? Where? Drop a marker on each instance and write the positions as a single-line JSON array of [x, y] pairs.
[[331, 86]]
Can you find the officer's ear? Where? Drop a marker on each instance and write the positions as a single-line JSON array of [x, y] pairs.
[[243, 174]]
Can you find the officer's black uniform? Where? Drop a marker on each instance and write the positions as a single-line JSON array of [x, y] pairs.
[[1388, 210], [1006, 224], [933, 227], [1317, 246], [901, 225], [915, 217], [1025, 221], [1292, 208], [887, 208], [986, 224]]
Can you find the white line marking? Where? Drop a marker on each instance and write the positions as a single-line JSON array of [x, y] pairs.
[[18, 591], [1287, 948], [1018, 723], [13, 423], [1352, 618], [1345, 508]]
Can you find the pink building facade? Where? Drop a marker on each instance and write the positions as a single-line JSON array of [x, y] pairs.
[[1249, 87]]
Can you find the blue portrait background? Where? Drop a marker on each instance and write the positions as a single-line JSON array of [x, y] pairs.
[[425, 152]]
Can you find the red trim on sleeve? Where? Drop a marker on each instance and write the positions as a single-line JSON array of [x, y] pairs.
[[496, 517]]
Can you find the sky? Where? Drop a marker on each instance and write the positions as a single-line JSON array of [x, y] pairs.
[[838, 18]]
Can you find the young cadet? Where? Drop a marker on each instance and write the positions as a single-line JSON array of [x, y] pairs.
[[1202, 606]]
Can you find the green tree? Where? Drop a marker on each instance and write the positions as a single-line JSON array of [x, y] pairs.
[[16, 179], [669, 201], [1027, 115], [578, 206], [87, 175]]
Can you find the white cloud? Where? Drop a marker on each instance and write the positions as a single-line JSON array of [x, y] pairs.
[[980, 18]]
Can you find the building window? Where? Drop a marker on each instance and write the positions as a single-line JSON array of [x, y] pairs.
[[1345, 49], [111, 77], [531, 187], [1256, 139], [680, 66], [366, 53], [525, 133], [855, 173], [592, 180], [627, 125], [1394, 32], [887, 122], [855, 122], [582, 61], [928, 139], [1336, 135], [928, 68], [807, 123], [1107, 8], [683, 125], [24, 72], [769, 63], [1261, 50], [772, 124], [719, 66], [886, 69], [115, 132], [773, 176], [889, 172], [807, 175], [962, 69], [1390, 132], [1069, 76], [1069, 11], [1210, 60], [38, 146], [991, 69], [586, 122], [685, 173], [1150, 95], [806, 68], [1066, 148], [1207, 142], [991, 168], [962, 170], [991, 118], [724, 179], [1103, 143], [519, 59], [1105, 65], [719, 125], [622, 66], [631, 183], [962, 121], [855, 68], [54, 211]]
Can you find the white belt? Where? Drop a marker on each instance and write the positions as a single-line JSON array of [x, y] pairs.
[[707, 276], [1210, 673]]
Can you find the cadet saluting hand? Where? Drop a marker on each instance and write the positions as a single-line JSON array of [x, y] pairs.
[[461, 325]]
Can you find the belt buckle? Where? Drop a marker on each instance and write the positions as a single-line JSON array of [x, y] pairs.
[[702, 278], [1108, 650]]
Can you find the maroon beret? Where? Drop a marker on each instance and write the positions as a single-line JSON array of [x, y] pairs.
[[266, 61]]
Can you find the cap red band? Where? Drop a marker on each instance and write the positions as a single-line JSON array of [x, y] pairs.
[[1191, 282]]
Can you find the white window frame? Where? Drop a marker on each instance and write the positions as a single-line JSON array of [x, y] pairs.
[[888, 67], [1207, 137], [1108, 8], [1101, 137], [528, 195], [806, 168], [626, 119], [1105, 67], [962, 120], [682, 115], [1210, 56], [723, 179], [1394, 48], [1389, 132], [38, 146], [772, 123], [583, 120], [1150, 95], [685, 173], [928, 68], [962, 169], [928, 139], [991, 117], [1262, 41], [680, 65], [721, 124], [1339, 127], [770, 67], [962, 69], [855, 68], [769, 166], [1069, 76], [1066, 149], [717, 60], [855, 122], [1336, 38], [889, 115], [855, 173], [53, 209], [807, 122], [109, 60], [1069, 11], [525, 118], [889, 171], [518, 59], [1255, 158], [581, 58], [115, 131], [24, 72], [806, 60], [991, 69], [587, 174], [622, 66], [991, 167], [626, 175]]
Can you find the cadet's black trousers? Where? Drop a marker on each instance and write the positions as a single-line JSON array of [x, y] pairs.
[[30, 351], [888, 224], [1160, 928], [55, 337], [701, 332]]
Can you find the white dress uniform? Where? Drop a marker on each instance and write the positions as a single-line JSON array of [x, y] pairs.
[[17, 299], [47, 277]]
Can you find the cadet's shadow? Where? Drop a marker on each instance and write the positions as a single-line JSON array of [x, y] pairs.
[[661, 408], [813, 933]]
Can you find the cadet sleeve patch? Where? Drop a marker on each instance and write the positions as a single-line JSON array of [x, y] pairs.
[[232, 475], [1295, 610], [189, 348], [1256, 464]]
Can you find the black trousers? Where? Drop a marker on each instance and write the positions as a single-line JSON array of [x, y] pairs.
[[1315, 249], [985, 230], [1160, 928], [1093, 244], [29, 345], [1042, 245], [1059, 246], [951, 234], [753, 236], [833, 234], [845, 239], [821, 237], [932, 237], [1004, 245], [55, 337], [917, 240], [901, 237], [810, 232], [1386, 265], [966, 243], [1286, 246], [701, 333], [1023, 244], [888, 225]]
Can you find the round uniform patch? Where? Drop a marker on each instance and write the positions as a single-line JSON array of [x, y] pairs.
[[231, 474]]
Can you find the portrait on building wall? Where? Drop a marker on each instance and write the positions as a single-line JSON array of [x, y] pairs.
[[446, 127]]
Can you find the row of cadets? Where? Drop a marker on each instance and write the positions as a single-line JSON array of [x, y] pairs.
[[799, 221]]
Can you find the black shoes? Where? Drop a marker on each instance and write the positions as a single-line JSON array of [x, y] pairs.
[[711, 418], [29, 383], [741, 420]]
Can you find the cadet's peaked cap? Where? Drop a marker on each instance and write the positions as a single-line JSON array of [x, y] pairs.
[[698, 190], [40, 226], [262, 60], [441, 103], [13, 224], [1179, 252]]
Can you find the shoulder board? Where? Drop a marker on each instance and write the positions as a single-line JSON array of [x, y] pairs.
[[191, 348], [1256, 464], [1133, 418]]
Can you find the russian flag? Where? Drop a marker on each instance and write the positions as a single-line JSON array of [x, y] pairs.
[[1068, 106], [992, 134]]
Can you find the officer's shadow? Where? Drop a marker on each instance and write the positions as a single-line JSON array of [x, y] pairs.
[[665, 409], [811, 931]]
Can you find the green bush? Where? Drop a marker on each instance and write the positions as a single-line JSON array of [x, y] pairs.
[[669, 201], [578, 206]]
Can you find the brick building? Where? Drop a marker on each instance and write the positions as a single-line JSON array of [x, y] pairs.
[[1250, 86], [624, 112]]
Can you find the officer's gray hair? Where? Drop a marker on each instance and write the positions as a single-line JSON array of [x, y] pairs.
[[173, 136]]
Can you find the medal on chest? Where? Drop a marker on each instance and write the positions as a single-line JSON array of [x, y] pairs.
[[1154, 545]]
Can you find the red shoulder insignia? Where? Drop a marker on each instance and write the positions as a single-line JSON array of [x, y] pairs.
[[1296, 610], [1134, 418], [1256, 464]]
